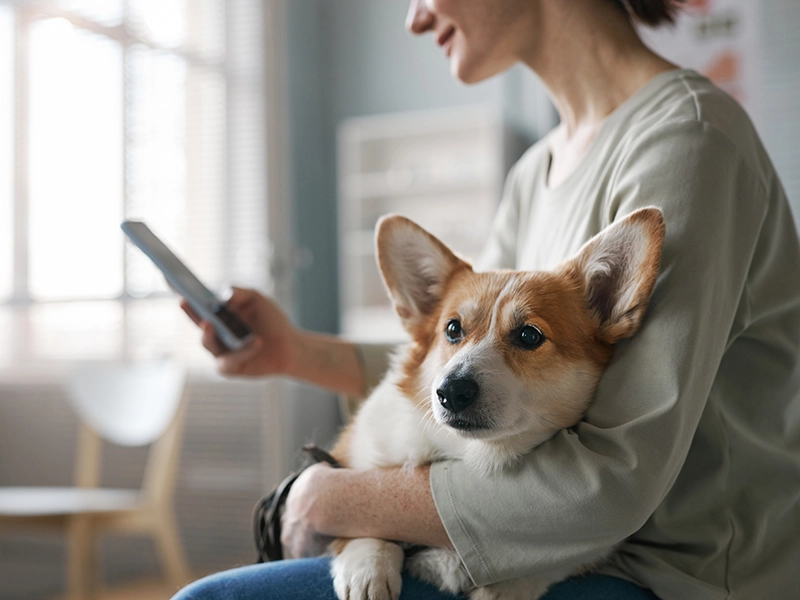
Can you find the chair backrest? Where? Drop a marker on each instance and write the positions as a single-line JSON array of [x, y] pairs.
[[129, 404]]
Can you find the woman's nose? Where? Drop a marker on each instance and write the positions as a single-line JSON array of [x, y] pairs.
[[419, 18]]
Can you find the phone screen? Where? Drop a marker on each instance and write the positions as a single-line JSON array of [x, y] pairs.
[[230, 329], [171, 266]]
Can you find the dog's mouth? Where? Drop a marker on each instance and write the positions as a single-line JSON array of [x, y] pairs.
[[466, 425]]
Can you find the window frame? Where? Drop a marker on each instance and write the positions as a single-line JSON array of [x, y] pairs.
[[21, 300]]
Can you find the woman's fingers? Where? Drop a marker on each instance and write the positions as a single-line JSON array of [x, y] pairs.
[[210, 340], [235, 304], [248, 360], [229, 362], [239, 298], [238, 363]]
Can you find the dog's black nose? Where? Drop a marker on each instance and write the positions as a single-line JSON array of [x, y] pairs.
[[457, 394]]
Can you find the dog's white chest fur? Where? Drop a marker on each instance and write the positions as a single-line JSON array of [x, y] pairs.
[[391, 431]]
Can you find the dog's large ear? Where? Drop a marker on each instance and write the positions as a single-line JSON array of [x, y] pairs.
[[619, 267], [415, 267]]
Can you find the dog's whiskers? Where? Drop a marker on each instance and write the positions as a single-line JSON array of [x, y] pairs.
[[428, 420], [427, 415]]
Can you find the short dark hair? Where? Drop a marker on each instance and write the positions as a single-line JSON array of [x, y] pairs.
[[650, 12]]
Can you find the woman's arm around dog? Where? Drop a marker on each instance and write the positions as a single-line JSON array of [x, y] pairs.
[[390, 504]]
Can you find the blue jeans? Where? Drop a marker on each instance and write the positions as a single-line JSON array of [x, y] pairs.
[[310, 579]]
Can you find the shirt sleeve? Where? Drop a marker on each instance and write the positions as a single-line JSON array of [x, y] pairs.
[[591, 486]]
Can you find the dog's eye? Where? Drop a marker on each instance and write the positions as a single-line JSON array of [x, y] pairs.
[[453, 331], [529, 337]]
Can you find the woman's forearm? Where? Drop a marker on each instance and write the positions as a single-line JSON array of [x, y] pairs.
[[327, 361], [392, 504]]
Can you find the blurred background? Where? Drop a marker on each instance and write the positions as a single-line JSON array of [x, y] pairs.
[[261, 139]]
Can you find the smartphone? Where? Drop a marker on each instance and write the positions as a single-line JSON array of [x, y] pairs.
[[230, 329]]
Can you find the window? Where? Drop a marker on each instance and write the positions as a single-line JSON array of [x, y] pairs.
[[144, 109], [6, 150], [75, 160]]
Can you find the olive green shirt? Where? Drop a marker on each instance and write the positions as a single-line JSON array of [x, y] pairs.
[[688, 460]]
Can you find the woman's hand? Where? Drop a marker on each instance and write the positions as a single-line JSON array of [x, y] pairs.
[[278, 348], [272, 351], [299, 535]]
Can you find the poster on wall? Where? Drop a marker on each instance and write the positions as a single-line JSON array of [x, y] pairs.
[[718, 38]]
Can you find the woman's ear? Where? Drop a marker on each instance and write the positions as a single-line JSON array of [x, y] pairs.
[[618, 268], [415, 267]]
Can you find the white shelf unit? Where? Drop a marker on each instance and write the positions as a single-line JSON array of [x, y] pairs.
[[443, 169]]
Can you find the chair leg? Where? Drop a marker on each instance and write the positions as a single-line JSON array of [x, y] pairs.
[[170, 549], [81, 559]]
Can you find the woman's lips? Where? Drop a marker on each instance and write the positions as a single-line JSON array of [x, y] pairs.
[[445, 39]]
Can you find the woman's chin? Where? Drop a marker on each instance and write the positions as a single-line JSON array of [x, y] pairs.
[[469, 74], [463, 74]]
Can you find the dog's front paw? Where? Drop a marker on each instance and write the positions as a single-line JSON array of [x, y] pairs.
[[368, 569]]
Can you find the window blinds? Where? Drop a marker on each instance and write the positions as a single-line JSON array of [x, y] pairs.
[[147, 109], [6, 150]]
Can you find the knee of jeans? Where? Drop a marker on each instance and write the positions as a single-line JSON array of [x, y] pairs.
[[207, 588]]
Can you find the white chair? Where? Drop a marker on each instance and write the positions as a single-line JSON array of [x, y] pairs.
[[128, 405]]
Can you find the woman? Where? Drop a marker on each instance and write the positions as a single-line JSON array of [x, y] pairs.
[[688, 457]]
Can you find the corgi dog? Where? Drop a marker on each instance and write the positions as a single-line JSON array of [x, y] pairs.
[[498, 362]]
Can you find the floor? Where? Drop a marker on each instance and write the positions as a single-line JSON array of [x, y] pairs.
[[141, 590], [148, 590]]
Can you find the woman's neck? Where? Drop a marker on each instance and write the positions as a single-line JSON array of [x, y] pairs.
[[591, 61]]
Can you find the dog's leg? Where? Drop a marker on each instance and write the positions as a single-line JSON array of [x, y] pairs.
[[367, 569], [440, 567]]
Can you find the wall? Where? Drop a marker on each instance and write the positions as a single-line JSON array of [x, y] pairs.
[[351, 58], [778, 120]]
